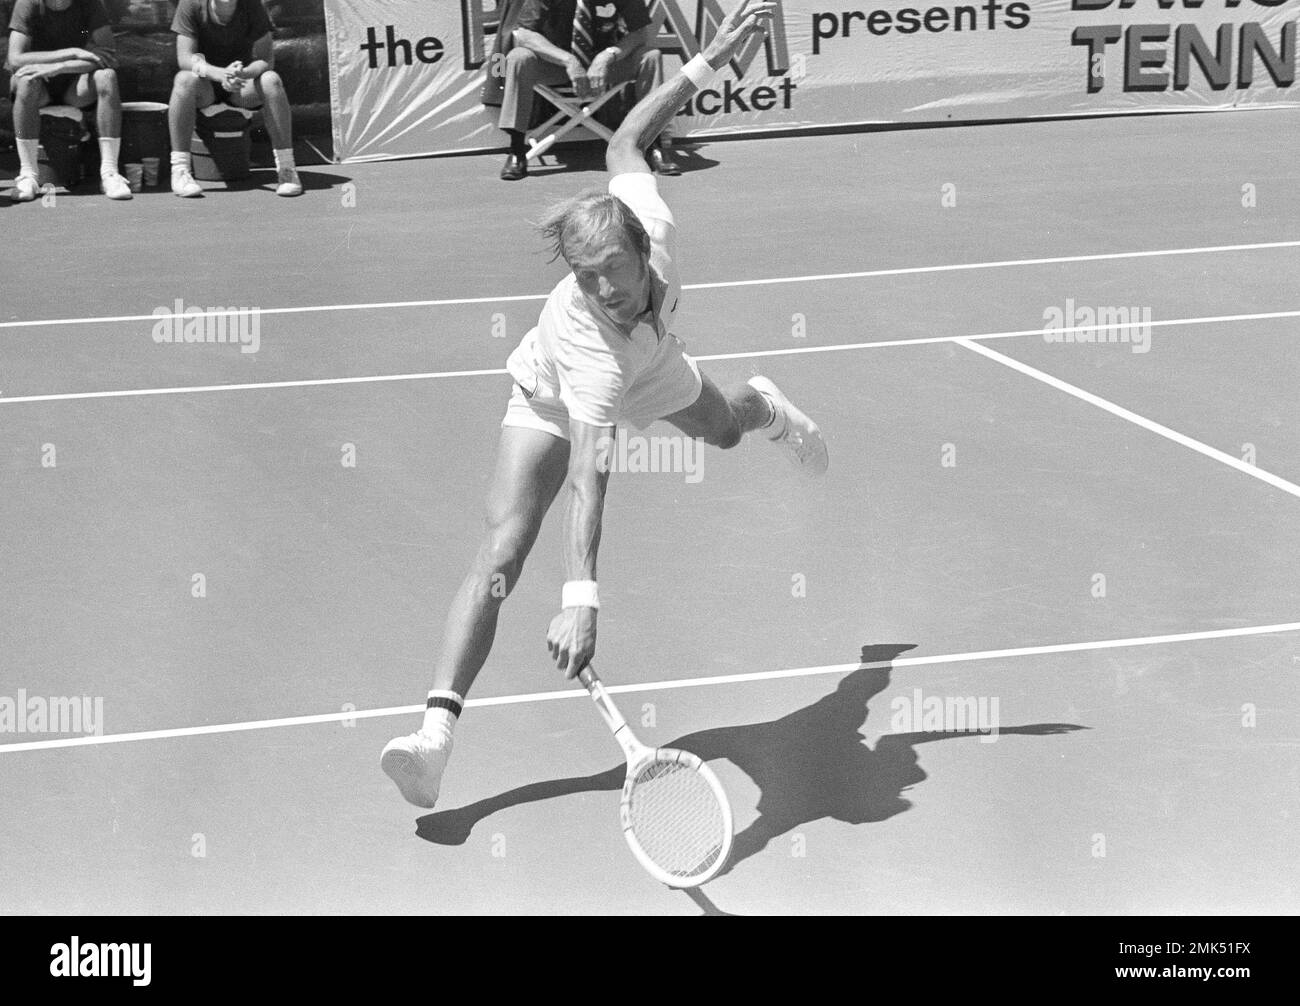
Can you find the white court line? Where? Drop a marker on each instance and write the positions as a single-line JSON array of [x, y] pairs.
[[1132, 417], [726, 284], [745, 355], [661, 686], [144, 392]]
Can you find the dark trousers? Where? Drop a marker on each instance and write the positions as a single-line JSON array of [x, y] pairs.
[[524, 68]]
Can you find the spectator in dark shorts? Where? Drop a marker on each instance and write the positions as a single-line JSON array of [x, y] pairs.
[[61, 53], [589, 44], [223, 48]]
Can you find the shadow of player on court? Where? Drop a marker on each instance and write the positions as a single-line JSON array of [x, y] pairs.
[[808, 765]]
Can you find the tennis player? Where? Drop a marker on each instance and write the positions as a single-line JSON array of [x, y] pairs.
[[602, 353]]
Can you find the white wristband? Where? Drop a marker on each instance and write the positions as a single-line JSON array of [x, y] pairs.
[[698, 71], [580, 594]]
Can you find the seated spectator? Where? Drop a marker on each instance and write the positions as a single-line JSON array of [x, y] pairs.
[[224, 50], [589, 44], [61, 53]]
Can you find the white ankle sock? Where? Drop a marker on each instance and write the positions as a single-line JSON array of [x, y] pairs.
[[774, 428], [180, 160], [441, 713], [27, 154], [284, 159], [110, 148]]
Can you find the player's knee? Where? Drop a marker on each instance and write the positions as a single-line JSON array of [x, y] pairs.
[[105, 82], [501, 559], [727, 437], [271, 82]]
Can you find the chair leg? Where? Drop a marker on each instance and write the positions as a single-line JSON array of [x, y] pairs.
[[574, 113]]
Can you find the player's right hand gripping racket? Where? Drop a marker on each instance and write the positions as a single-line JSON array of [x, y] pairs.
[[674, 812]]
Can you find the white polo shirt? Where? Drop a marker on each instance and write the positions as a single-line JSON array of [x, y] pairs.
[[576, 358]]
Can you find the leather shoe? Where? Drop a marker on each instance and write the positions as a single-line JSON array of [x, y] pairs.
[[662, 163], [516, 167]]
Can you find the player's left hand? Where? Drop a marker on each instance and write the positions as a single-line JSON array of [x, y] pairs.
[[746, 18], [572, 639]]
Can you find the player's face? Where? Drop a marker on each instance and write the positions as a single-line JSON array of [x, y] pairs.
[[614, 278]]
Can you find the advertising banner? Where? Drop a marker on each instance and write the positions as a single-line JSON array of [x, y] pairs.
[[406, 76]]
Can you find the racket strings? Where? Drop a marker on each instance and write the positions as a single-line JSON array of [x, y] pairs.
[[676, 818]]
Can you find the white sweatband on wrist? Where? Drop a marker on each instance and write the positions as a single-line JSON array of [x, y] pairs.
[[579, 594], [698, 71]]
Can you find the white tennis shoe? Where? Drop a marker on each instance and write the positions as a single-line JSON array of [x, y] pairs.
[[287, 182], [184, 185], [26, 188], [114, 186], [416, 763], [799, 435]]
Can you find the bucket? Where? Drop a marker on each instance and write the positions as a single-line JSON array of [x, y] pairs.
[[59, 157], [222, 145], [144, 131]]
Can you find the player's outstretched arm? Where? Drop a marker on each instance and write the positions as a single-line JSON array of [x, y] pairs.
[[572, 634], [648, 119]]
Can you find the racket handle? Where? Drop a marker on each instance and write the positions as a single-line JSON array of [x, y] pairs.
[[608, 711]]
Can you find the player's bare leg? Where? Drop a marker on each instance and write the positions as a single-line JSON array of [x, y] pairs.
[[531, 468], [721, 419]]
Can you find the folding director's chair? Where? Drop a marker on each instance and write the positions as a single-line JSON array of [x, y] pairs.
[[571, 113]]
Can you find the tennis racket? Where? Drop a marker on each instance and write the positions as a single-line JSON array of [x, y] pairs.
[[674, 812]]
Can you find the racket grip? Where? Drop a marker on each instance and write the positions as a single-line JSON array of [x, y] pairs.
[[608, 711]]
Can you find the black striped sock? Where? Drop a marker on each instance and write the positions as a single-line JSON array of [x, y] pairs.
[[441, 712]]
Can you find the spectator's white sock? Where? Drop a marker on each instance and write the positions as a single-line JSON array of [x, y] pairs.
[[441, 713], [180, 160], [109, 148], [284, 159], [27, 154]]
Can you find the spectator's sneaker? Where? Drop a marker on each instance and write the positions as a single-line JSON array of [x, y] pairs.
[[115, 186], [288, 182], [416, 762], [26, 188], [794, 431], [184, 185]]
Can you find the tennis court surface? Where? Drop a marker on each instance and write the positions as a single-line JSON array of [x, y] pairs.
[[242, 560]]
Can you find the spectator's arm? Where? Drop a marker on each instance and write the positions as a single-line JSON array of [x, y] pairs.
[[633, 40], [21, 55], [185, 56], [263, 58]]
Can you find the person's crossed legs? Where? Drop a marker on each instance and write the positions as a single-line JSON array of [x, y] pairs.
[[524, 70]]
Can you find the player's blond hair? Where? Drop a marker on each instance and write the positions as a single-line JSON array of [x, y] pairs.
[[579, 222]]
